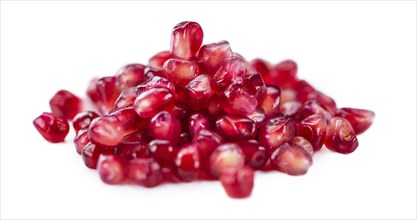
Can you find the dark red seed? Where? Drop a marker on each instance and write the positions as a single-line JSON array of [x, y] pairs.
[[225, 157], [211, 56], [255, 85], [65, 105], [106, 131], [145, 171], [91, 153], [165, 126], [258, 116], [188, 162], [107, 93], [207, 141], [198, 92], [270, 101], [163, 152], [284, 74], [154, 82], [232, 69], [199, 121], [303, 89], [81, 140], [186, 39], [132, 146], [127, 97], [277, 131], [313, 128], [52, 128], [83, 119], [312, 107], [360, 119], [129, 76], [181, 72], [154, 100], [262, 67], [111, 169], [238, 183], [325, 101], [130, 119], [235, 127], [214, 107], [256, 155], [157, 60], [293, 160], [237, 100], [340, 136]]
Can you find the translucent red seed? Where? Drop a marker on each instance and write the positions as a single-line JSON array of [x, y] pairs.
[[144, 171], [238, 183], [293, 160], [186, 39], [83, 119], [181, 72], [235, 127], [225, 157], [65, 104], [360, 119], [111, 169], [152, 101], [276, 132], [106, 131], [130, 75], [212, 55], [52, 128], [188, 162], [340, 136]]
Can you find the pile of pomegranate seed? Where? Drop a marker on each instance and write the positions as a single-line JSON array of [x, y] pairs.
[[201, 112]]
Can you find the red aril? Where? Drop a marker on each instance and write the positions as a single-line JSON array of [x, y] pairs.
[[225, 157], [211, 56], [360, 119], [129, 76], [238, 183], [52, 128], [293, 160], [111, 169], [65, 105], [340, 136], [186, 39]]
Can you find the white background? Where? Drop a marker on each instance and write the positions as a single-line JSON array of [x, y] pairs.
[[361, 53]]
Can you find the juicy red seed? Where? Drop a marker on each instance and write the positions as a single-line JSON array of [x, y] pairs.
[[152, 72], [232, 69], [235, 127], [107, 93], [328, 103], [154, 100], [181, 72], [145, 171], [290, 108], [293, 160], [157, 60], [163, 152], [256, 155], [214, 108], [199, 121], [303, 143], [130, 75], [126, 97], [312, 107], [165, 126], [360, 119], [262, 67], [313, 129], [130, 119], [255, 85], [184, 138], [91, 153], [238, 183], [83, 119], [237, 100], [277, 131], [211, 56], [65, 105], [52, 128], [188, 162], [284, 74], [198, 92], [132, 146], [81, 140], [224, 157], [92, 91], [111, 169], [154, 82], [207, 141], [106, 131], [186, 39], [180, 111], [288, 95], [340, 136], [258, 116], [270, 101], [303, 89]]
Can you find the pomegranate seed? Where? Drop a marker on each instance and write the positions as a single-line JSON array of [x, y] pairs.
[[126, 97], [188, 162], [180, 111], [198, 92], [214, 108], [91, 153], [207, 141], [328, 103], [313, 129], [157, 60], [225, 157], [83, 119], [130, 119], [163, 152], [181, 72], [52, 128], [360, 119], [256, 155], [258, 116], [288, 95], [132, 146], [312, 107], [107, 93], [284, 74], [255, 85], [152, 101], [231, 70], [270, 102], [293, 160], [165, 126], [106, 131], [154, 82], [184, 138], [199, 121], [262, 67], [130, 75], [211, 56], [65, 105], [152, 72], [145, 172], [111, 169], [186, 39], [277, 131], [92, 91], [235, 127], [81, 140], [303, 143], [237, 100], [238, 183], [340, 136], [290, 108], [303, 89]]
